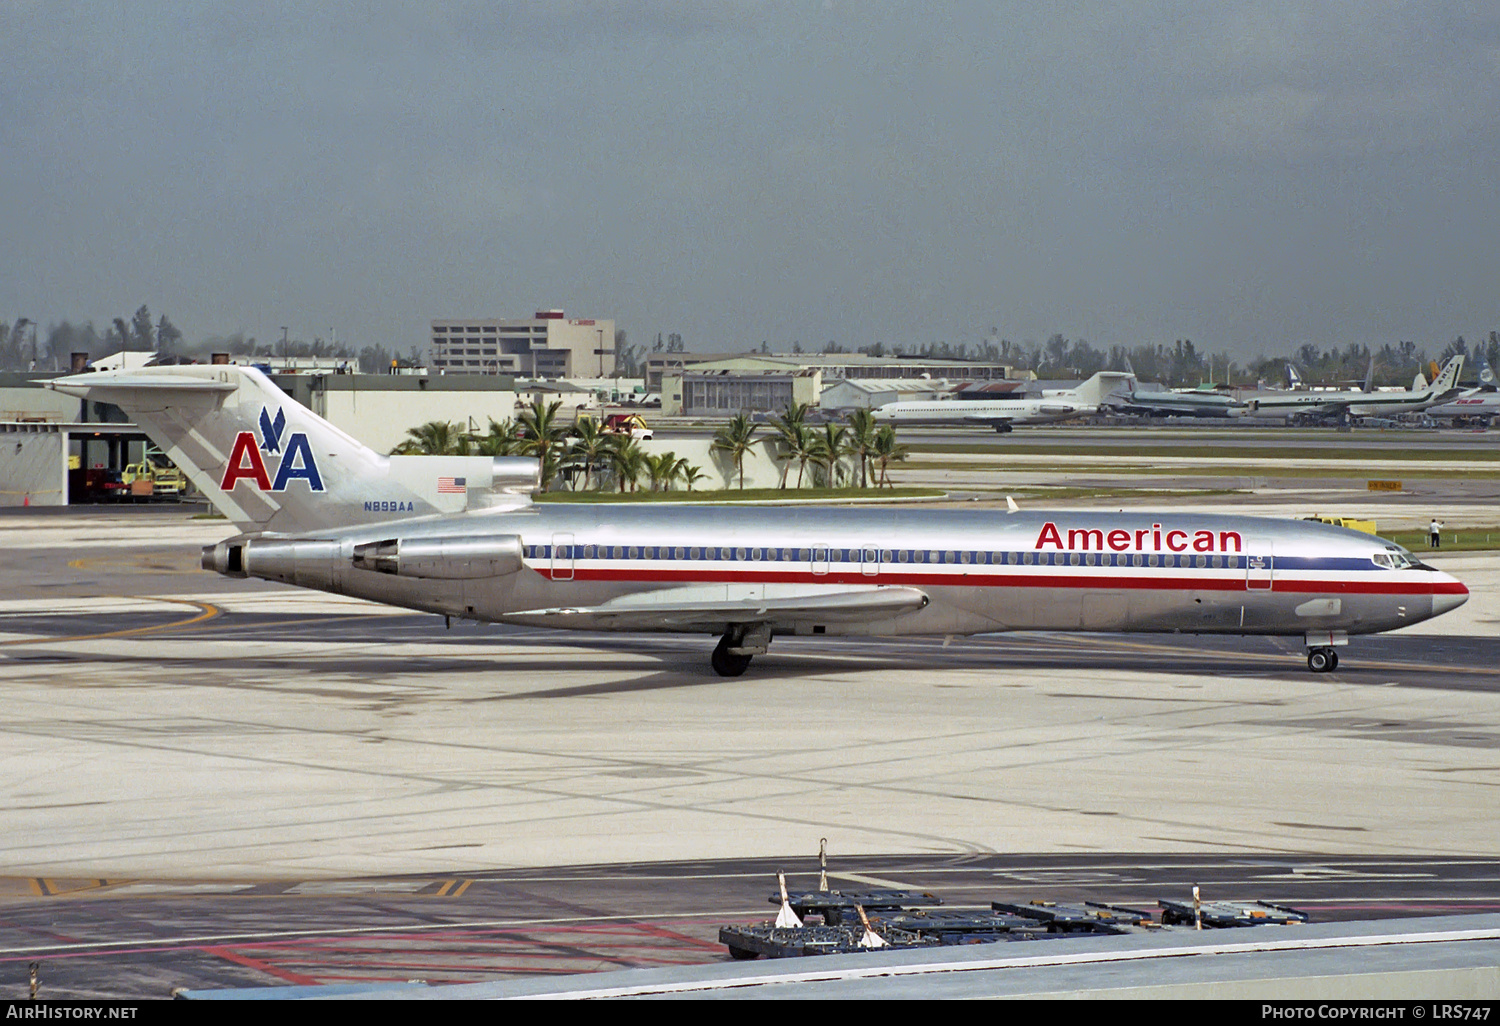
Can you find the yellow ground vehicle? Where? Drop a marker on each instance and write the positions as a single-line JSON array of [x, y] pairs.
[[632, 424], [153, 477], [1367, 526]]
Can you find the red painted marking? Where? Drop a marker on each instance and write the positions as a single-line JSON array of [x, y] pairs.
[[980, 579], [265, 967]]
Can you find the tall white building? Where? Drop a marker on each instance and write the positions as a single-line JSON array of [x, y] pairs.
[[549, 345]]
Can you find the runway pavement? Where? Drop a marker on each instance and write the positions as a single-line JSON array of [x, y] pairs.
[[165, 724]]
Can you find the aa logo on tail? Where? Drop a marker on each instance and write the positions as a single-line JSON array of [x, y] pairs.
[[247, 463]]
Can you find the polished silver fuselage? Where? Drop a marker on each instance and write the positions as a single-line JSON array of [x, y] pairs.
[[981, 571]]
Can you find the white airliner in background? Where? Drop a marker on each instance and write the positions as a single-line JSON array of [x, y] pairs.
[[1479, 405], [1163, 403], [1002, 414], [1346, 403], [459, 536]]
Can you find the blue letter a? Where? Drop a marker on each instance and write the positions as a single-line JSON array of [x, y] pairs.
[[297, 449]]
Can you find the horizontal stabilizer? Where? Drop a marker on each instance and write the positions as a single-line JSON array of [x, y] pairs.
[[85, 386]]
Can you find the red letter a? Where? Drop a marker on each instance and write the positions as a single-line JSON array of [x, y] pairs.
[[244, 446]]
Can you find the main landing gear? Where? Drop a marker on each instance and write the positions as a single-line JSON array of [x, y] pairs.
[[1321, 655], [739, 644], [1322, 660]]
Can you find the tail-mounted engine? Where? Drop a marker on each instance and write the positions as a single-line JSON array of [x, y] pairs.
[[319, 562], [445, 559]]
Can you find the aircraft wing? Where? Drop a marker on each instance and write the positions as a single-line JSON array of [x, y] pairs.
[[711, 607]]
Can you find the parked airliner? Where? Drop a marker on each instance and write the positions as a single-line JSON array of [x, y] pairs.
[[1343, 404], [1002, 414], [459, 536], [1161, 403], [1480, 405]]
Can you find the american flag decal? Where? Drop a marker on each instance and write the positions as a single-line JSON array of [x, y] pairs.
[[449, 485]]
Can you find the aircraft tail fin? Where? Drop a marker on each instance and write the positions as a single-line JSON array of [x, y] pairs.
[[1370, 374], [1486, 375], [270, 464], [1447, 380], [1100, 385], [1293, 379]]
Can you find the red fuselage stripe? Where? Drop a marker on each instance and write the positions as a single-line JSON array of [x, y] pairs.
[[1173, 583]]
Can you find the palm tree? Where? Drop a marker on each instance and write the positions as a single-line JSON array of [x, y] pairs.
[[435, 438], [542, 433], [791, 436], [829, 449], [589, 447], [887, 450], [663, 469], [734, 438], [627, 459], [501, 440], [797, 441], [692, 475], [862, 441]]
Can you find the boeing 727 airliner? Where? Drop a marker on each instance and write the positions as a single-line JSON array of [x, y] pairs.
[[459, 536]]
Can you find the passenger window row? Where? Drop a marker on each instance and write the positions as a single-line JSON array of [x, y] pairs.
[[895, 557]]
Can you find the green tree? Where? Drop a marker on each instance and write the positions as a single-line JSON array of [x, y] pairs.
[[790, 426], [541, 436], [142, 330], [589, 448], [168, 336], [627, 460], [663, 469], [861, 442], [500, 440], [829, 447], [435, 438], [887, 451], [735, 440]]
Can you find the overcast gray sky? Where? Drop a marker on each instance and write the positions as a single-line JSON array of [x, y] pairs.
[[1252, 176]]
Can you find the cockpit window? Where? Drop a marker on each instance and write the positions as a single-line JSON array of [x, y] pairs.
[[1396, 558]]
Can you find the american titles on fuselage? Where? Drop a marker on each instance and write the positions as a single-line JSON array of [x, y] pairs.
[[1120, 540]]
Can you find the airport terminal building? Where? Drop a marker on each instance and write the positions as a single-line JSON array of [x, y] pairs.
[[548, 345]]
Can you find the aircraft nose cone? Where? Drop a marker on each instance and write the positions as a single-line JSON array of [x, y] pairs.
[[1449, 596]]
